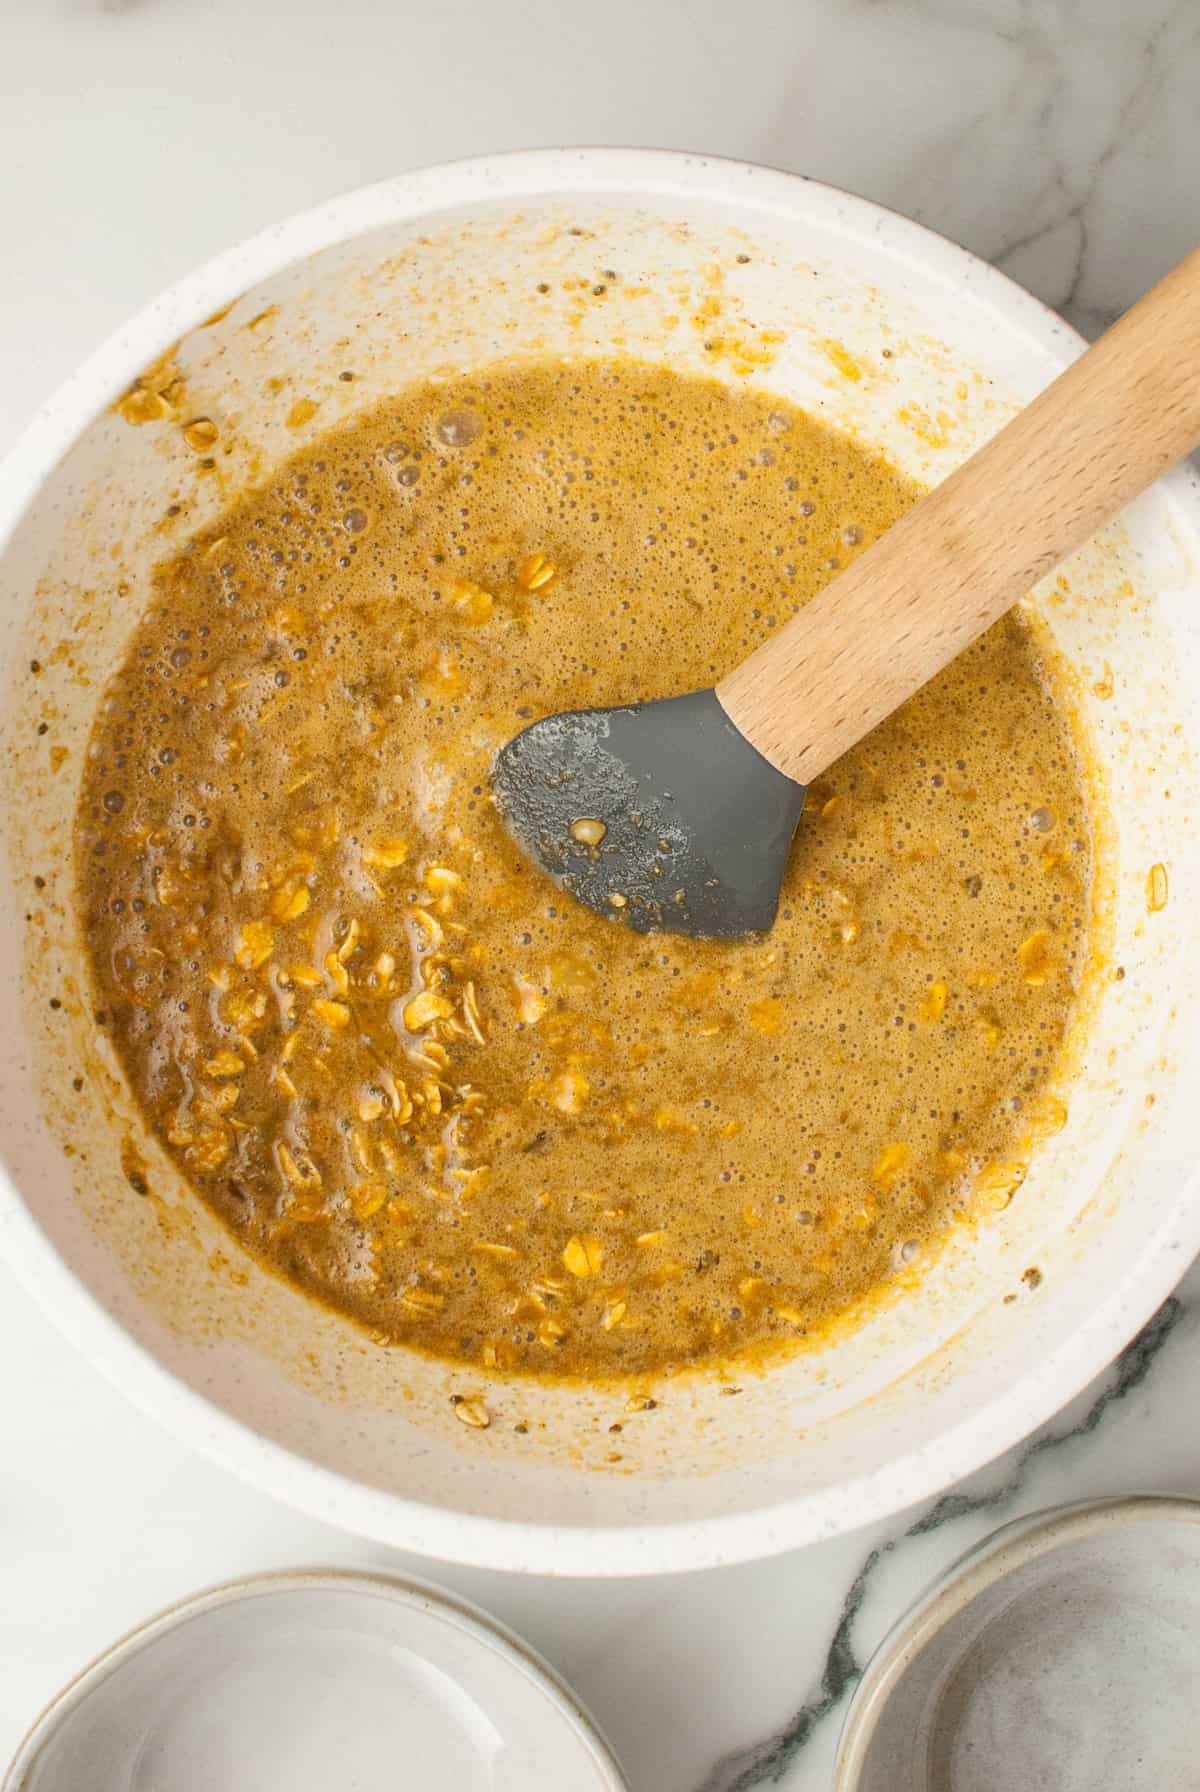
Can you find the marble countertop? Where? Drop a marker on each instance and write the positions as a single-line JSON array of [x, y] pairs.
[[1060, 140]]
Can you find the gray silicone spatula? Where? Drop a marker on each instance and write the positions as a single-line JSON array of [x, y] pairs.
[[679, 813]]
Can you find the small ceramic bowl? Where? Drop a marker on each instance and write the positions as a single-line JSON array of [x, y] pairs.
[[1064, 1651], [316, 1679]]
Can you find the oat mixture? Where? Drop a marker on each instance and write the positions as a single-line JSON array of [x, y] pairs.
[[424, 1084]]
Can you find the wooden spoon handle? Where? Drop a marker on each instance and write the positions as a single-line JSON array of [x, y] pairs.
[[1104, 430]]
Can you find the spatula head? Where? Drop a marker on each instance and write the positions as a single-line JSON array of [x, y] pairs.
[[660, 814]]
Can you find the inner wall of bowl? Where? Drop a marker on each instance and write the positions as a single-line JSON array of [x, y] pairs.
[[852, 326]]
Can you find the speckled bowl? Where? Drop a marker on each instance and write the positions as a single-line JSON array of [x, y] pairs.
[[1063, 1651], [885, 330]]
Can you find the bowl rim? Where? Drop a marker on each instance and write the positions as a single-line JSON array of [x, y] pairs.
[[398, 1589], [526, 1545], [1015, 1545]]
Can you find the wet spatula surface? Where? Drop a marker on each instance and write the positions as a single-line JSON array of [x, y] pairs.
[[679, 813], [661, 813]]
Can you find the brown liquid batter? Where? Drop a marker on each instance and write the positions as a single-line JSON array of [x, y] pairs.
[[419, 1080]]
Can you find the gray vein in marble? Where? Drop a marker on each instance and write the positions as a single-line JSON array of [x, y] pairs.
[[1132, 116], [767, 1762], [1062, 147]]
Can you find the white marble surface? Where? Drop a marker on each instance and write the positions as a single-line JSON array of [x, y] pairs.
[[1058, 137]]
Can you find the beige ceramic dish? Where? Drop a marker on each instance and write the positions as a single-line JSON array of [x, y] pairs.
[[1064, 1651], [883, 329]]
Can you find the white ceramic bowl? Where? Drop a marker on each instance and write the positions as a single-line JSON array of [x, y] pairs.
[[886, 330], [322, 1679]]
